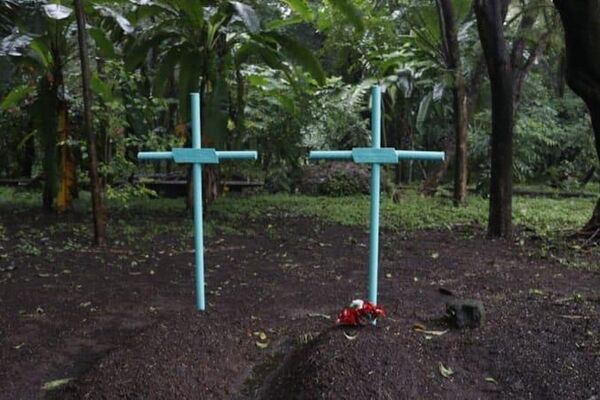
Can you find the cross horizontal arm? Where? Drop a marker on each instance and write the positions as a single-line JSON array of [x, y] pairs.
[[155, 155], [369, 155], [237, 155], [420, 155], [197, 155], [330, 155]]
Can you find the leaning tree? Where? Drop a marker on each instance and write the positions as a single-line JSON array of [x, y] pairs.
[[581, 23]]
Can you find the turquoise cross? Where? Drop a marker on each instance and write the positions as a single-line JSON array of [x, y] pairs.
[[375, 155], [197, 156]]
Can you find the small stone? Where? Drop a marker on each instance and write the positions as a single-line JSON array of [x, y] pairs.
[[465, 313]]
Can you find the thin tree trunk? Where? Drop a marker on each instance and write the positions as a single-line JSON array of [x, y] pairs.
[[98, 211], [66, 161], [68, 180], [28, 158], [405, 142], [490, 25], [453, 62], [474, 87], [473, 90], [46, 125], [520, 64], [582, 38]]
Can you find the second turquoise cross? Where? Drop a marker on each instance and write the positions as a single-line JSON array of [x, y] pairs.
[[375, 155]]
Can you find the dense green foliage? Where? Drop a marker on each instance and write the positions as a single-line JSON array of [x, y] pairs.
[[279, 76]]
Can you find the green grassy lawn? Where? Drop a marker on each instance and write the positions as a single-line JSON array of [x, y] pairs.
[[544, 215], [413, 211], [138, 220]]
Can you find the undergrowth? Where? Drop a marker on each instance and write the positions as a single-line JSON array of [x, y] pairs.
[[545, 216], [549, 220]]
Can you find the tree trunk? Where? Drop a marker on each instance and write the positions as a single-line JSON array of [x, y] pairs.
[[98, 211], [582, 38], [46, 125], [473, 90], [451, 52], [28, 160], [490, 25], [406, 143], [67, 182], [522, 58]]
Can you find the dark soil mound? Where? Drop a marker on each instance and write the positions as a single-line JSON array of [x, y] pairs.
[[180, 358], [366, 364], [120, 330]]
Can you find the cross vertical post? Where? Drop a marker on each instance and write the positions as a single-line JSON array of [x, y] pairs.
[[197, 199], [375, 155], [197, 156], [375, 190]]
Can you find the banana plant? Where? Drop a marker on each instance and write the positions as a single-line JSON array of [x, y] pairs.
[[200, 45], [43, 57], [42, 45]]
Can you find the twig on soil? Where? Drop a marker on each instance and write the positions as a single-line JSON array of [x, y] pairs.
[[434, 333], [318, 315], [574, 316], [592, 237]]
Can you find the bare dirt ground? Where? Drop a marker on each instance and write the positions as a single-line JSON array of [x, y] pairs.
[[120, 322]]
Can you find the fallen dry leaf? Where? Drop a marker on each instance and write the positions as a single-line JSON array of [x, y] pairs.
[[418, 326], [55, 384], [431, 333], [446, 372]]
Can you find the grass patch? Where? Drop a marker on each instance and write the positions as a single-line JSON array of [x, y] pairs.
[[545, 216]]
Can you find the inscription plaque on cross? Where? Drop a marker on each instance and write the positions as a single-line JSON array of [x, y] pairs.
[[375, 155], [197, 156]]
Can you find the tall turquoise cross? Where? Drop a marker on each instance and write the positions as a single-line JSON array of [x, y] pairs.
[[375, 155], [197, 156]]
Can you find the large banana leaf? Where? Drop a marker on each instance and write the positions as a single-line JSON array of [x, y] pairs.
[[119, 18], [16, 96], [189, 80], [41, 52], [191, 10], [300, 55], [216, 112], [351, 12], [423, 111], [168, 63], [57, 11], [104, 45], [280, 23], [269, 55], [137, 53], [247, 15], [301, 8], [462, 9]]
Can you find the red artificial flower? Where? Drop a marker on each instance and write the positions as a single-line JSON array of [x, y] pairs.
[[359, 313]]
